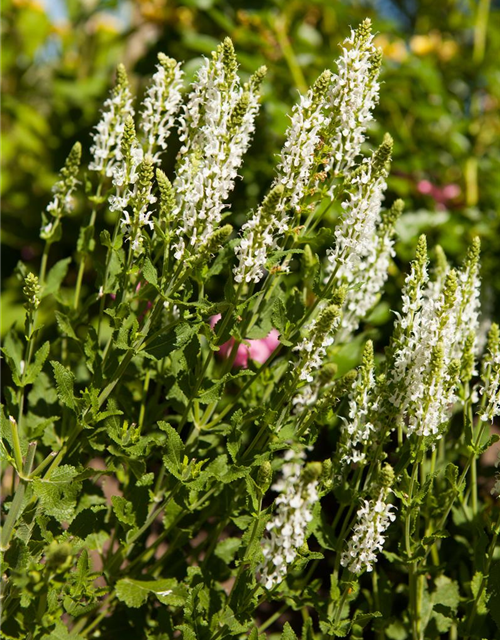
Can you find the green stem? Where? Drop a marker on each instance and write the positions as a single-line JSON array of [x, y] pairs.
[[18, 456], [272, 619], [81, 268], [484, 577], [15, 507]]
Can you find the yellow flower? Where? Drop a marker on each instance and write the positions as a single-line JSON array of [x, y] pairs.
[[423, 45], [393, 50]]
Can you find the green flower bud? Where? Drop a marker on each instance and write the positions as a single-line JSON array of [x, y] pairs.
[[312, 472], [238, 113], [264, 476], [58, 555], [468, 357], [257, 78], [31, 291], [167, 194], [146, 172], [327, 373], [382, 156], [326, 471], [386, 476], [391, 216], [213, 244]]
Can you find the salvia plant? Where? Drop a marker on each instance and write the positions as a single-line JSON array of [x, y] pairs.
[[199, 439]]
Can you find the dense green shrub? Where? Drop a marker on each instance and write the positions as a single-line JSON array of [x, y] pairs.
[[188, 449]]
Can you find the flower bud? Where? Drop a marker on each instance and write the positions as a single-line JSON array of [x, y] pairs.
[[264, 476]]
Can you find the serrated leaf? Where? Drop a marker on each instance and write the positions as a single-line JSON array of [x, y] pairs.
[[288, 632], [64, 325], [149, 273], [61, 632], [476, 587], [174, 450], [172, 340], [13, 350], [123, 510], [226, 549], [134, 593], [278, 315], [65, 381], [58, 494], [35, 367], [56, 276]]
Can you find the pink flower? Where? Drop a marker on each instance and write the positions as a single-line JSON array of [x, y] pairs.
[[424, 186], [451, 191], [258, 350], [441, 195]]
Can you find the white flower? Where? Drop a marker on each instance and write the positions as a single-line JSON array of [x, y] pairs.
[[370, 274], [358, 428], [160, 106], [333, 115], [367, 540], [312, 348], [429, 341], [353, 97], [109, 131], [355, 234], [288, 528], [490, 389], [216, 128]]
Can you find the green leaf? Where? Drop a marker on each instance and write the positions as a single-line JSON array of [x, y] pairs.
[[172, 340], [65, 381], [56, 276], [64, 324], [475, 586], [13, 350], [61, 632], [35, 367], [86, 242], [134, 593], [124, 511], [175, 450], [149, 273], [58, 494], [288, 632], [227, 548], [278, 315]]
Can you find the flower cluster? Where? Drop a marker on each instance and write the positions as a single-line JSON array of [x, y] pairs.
[[429, 340], [354, 95], [312, 348], [132, 178], [288, 528], [325, 134], [132, 224], [491, 377], [62, 202], [106, 150], [367, 540], [216, 129], [160, 106], [371, 272], [298, 156], [258, 238], [372, 521], [358, 428], [355, 235]]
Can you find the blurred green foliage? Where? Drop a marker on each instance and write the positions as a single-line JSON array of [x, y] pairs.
[[439, 100]]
